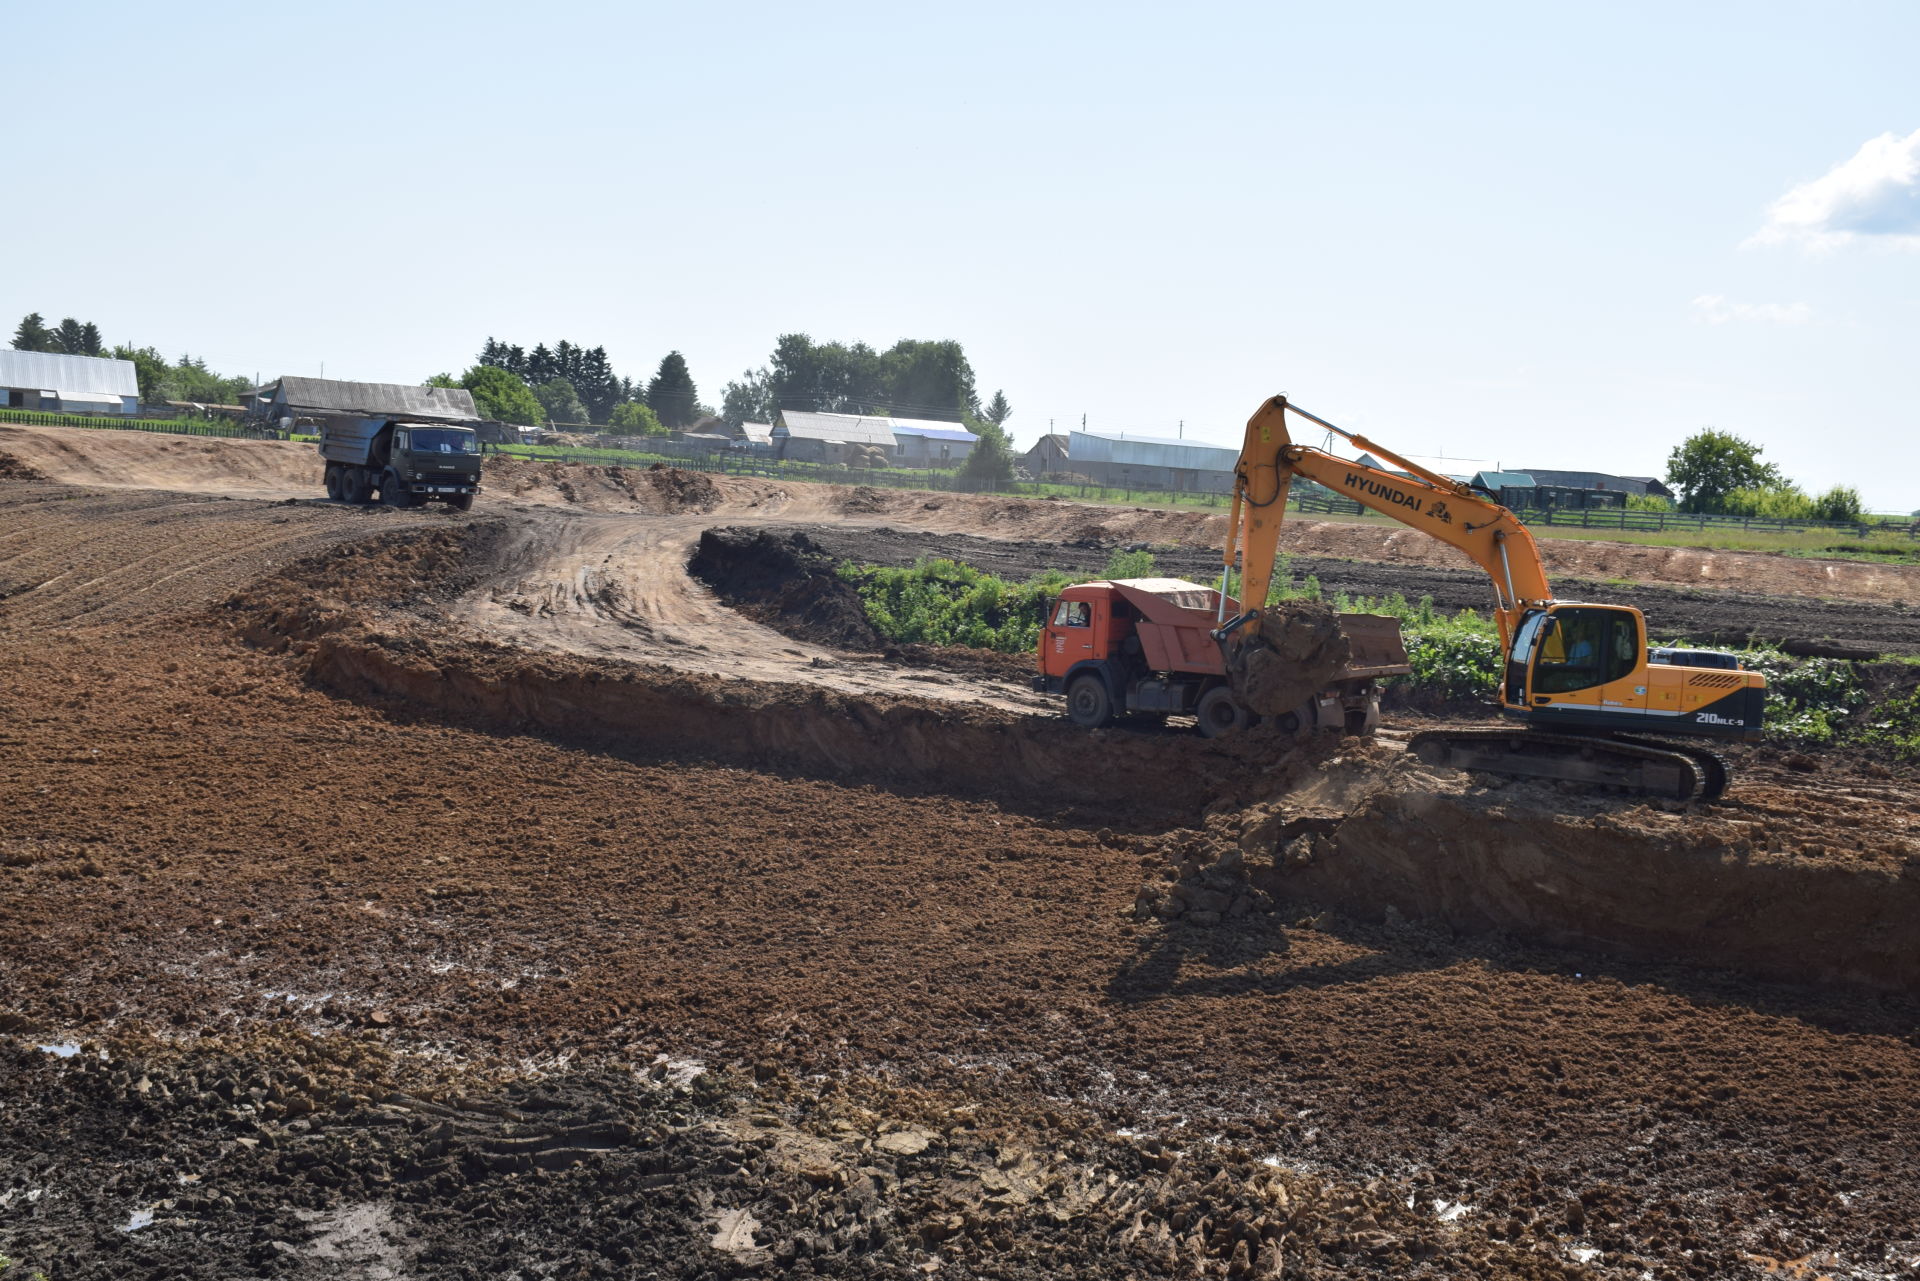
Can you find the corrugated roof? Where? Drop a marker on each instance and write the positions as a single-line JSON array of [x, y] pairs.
[[378, 400], [56, 371], [850, 428], [936, 433], [1149, 451], [1498, 480], [759, 433]]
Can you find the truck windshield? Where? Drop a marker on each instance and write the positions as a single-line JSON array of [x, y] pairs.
[[442, 440]]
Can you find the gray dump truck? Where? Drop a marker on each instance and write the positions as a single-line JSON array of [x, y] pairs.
[[403, 464]]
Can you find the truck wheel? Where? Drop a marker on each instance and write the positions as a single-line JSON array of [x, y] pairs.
[[333, 481], [394, 492], [461, 502], [354, 487], [1221, 714], [1087, 703]]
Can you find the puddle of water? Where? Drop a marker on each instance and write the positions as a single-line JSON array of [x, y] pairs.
[[1448, 1211], [137, 1220], [1582, 1253], [62, 1049]]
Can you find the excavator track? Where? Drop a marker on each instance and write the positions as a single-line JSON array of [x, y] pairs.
[[1713, 766], [1647, 768]]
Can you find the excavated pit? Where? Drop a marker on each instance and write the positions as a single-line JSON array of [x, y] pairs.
[[1361, 827]]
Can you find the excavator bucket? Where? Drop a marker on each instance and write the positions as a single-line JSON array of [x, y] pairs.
[[1304, 648], [1377, 646]]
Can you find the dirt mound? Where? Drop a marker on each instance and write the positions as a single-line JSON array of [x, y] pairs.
[[657, 490], [1372, 831], [786, 581], [79, 556], [12, 468], [113, 459]]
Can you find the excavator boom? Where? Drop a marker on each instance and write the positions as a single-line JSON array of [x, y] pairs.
[[1425, 500]]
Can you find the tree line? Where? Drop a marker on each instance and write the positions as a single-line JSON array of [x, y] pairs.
[[1719, 473], [914, 378], [160, 380], [571, 384]]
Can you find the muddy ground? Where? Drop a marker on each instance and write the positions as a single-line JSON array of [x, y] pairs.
[[363, 947]]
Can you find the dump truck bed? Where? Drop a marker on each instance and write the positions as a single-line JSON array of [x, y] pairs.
[[1176, 619]]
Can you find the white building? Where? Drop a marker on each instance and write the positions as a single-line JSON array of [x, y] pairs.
[[55, 383], [1152, 462]]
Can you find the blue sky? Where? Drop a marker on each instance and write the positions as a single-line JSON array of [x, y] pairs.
[[1515, 234]]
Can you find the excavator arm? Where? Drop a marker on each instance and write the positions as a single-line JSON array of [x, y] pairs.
[[1425, 500]]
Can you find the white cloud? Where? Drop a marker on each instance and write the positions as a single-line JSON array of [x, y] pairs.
[[1712, 309], [1875, 194]]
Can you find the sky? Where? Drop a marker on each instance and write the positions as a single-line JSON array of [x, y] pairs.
[[1514, 235]]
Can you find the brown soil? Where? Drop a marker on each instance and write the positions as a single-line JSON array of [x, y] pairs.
[[414, 952]]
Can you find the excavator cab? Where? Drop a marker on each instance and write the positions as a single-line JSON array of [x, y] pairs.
[[1580, 667]]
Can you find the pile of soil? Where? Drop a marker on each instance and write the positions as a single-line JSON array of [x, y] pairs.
[[1300, 651], [12, 468], [786, 581], [657, 490]]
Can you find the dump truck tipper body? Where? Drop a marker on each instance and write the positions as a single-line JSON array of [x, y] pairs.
[[403, 463], [1146, 646]]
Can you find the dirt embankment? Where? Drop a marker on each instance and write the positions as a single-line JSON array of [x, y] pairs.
[[787, 582], [328, 611], [1760, 883], [657, 490]]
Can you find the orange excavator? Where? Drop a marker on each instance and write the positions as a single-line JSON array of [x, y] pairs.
[[1579, 681]]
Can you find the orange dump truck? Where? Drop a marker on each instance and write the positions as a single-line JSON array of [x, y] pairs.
[[1146, 646]]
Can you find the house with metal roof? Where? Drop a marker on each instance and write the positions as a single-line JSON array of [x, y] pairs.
[[1599, 480], [1528, 491], [295, 397], [56, 383], [919, 442], [1127, 460], [830, 438]]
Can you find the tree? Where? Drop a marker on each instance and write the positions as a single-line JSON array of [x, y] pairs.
[[929, 377], [560, 401], [70, 337], [750, 400], [636, 419], [150, 369], [91, 344], [502, 397], [671, 394], [1711, 464], [33, 335], [189, 379], [991, 461], [1841, 503], [998, 410]]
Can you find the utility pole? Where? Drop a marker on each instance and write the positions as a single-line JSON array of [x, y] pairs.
[[1183, 429]]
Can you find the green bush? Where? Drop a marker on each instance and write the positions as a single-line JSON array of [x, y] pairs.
[[942, 602], [1138, 564]]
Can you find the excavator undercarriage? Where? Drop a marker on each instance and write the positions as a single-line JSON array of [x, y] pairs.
[[1676, 771]]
